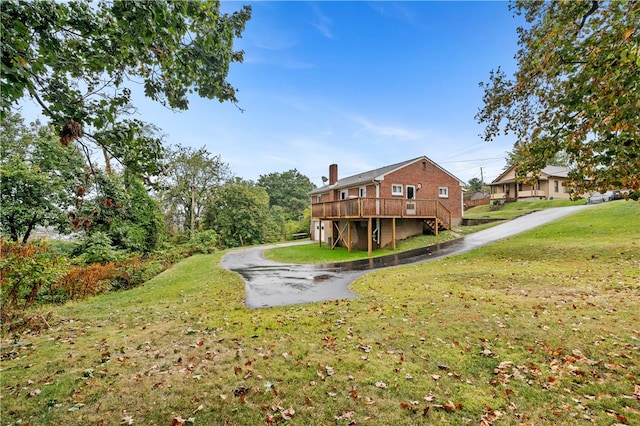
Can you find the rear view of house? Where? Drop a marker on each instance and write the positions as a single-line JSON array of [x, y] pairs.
[[375, 209]]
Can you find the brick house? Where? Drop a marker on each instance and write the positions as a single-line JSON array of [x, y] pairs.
[[550, 184], [388, 204]]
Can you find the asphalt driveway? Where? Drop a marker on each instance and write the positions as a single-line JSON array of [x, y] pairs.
[[270, 283]]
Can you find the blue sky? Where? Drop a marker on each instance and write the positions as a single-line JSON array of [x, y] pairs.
[[361, 84]]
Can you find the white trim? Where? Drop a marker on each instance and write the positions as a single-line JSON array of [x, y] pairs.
[[394, 188], [443, 192]]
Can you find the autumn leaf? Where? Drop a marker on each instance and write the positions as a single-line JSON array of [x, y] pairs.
[[177, 421], [288, 413], [330, 371], [345, 415], [381, 385]]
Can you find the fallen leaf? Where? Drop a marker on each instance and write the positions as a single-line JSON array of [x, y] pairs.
[[435, 376], [449, 407], [288, 413], [381, 385], [36, 392], [345, 416], [330, 371], [177, 421]]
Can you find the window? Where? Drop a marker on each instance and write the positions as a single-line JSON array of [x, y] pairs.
[[363, 191], [443, 192], [396, 189], [318, 198], [343, 195], [555, 186]]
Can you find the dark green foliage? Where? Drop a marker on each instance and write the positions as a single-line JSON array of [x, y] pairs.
[[289, 190], [203, 242], [576, 91], [95, 248], [120, 206], [75, 59], [239, 213], [39, 178], [190, 178]]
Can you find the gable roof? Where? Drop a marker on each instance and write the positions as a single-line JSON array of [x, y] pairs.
[[550, 171], [375, 175]]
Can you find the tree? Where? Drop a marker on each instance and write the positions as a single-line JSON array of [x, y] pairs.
[[576, 91], [239, 213], [39, 179], [78, 60], [191, 176], [474, 185], [119, 206], [559, 159], [289, 190]]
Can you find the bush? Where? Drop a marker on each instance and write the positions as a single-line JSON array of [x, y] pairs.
[[96, 248], [26, 270], [203, 242], [82, 281]]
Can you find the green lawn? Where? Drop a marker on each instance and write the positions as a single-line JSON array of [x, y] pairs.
[[542, 329], [513, 210], [313, 253]]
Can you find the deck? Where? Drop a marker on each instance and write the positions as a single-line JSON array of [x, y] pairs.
[[388, 208]]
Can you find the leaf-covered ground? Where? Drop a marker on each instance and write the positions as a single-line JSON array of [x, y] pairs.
[[542, 328]]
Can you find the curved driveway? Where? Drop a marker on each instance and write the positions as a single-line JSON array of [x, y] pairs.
[[270, 283]]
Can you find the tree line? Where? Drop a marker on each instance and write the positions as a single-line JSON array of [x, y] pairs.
[[46, 184]]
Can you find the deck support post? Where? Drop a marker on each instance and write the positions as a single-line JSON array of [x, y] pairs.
[[369, 238], [349, 236], [393, 233]]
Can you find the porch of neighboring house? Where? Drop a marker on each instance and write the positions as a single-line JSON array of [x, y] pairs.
[[343, 212]]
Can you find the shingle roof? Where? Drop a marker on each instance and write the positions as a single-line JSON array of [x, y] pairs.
[[554, 171], [371, 175]]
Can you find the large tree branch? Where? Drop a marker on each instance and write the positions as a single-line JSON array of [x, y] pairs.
[[594, 6]]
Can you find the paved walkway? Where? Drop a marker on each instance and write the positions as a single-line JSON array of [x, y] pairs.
[[270, 283]]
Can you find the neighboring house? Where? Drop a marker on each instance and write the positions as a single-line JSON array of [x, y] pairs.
[[551, 184], [379, 207]]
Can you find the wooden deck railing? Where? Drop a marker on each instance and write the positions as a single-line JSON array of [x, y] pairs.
[[364, 208]]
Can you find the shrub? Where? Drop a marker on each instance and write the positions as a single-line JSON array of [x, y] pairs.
[[96, 248], [203, 242], [26, 270], [83, 281]]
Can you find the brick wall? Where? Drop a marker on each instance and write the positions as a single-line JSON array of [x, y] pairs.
[[431, 178]]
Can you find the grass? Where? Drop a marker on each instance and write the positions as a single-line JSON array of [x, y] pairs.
[[541, 328], [513, 210], [312, 253]]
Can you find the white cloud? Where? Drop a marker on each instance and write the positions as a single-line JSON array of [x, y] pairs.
[[321, 22]]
